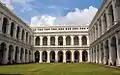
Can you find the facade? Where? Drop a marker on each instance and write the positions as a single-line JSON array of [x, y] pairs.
[[104, 33], [61, 44], [99, 43], [15, 38]]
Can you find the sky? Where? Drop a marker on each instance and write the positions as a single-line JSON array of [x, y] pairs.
[[54, 12]]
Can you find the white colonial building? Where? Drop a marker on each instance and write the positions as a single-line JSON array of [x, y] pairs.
[[104, 33], [61, 44], [98, 43]]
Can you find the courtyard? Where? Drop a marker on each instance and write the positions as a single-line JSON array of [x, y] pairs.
[[57, 69]]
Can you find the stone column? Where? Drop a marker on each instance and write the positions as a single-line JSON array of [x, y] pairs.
[[80, 41], [88, 55], [118, 49], [72, 40], [88, 40], [23, 56], [96, 54], [18, 56], [95, 32], [56, 40], [104, 60], [64, 56], [34, 40], [9, 28], [28, 56], [48, 41], [25, 37], [56, 56], [41, 40], [94, 57], [15, 31], [114, 11], [91, 55], [48, 56], [64, 40], [102, 24], [20, 34], [13, 54], [110, 52], [5, 55], [98, 29], [80, 56], [100, 54], [72, 56], [33, 56], [40, 60], [108, 19]]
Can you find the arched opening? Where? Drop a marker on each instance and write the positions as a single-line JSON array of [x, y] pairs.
[[30, 39], [22, 54], [30, 56], [76, 40], [102, 53], [60, 40], [45, 41], [60, 56], [2, 51], [107, 51], [26, 55], [105, 22], [52, 56], [84, 56], [37, 41], [18, 32], [68, 40], [37, 56], [10, 54], [23, 34], [76, 56], [12, 29], [68, 56], [114, 50], [84, 40], [26, 37], [16, 54], [44, 56], [95, 54], [52, 41], [5, 25], [111, 15]]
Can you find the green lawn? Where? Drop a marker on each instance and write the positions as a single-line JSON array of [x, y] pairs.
[[57, 69]]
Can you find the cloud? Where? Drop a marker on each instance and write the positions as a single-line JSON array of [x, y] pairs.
[[8, 3], [76, 17], [44, 19], [24, 3]]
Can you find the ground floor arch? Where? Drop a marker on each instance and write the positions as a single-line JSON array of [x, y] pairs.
[[10, 54], [2, 51], [44, 56], [37, 56], [113, 51], [52, 56], [68, 56], [84, 56], [76, 56], [60, 56]]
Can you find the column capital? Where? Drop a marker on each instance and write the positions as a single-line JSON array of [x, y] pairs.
[[64, 36]]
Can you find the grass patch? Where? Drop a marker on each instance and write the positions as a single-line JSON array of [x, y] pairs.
[[57, 69]]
